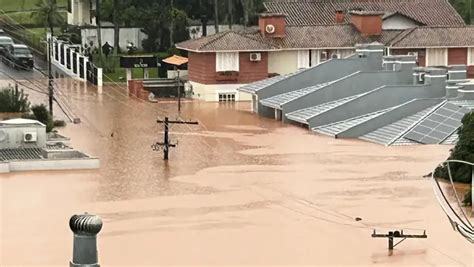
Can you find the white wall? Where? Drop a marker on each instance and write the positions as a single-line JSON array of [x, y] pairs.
[[66, 164], [210, 92], [80, 13], [282, 62], [211, 30], [15, 136], [134, 35], [398, 22]]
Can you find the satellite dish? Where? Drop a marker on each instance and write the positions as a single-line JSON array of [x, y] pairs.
[[270, 28]]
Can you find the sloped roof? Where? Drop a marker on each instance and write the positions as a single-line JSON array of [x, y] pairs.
[[228, 41], [338, 35], [321, 12], [21, 122], [435, 37]]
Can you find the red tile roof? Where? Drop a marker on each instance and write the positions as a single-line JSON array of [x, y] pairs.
[[322, 12]]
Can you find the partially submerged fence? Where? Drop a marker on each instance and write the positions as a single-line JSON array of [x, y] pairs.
[[70, 59]]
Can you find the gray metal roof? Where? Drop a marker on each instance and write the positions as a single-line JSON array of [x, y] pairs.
[[259, 85], [278, 100], [303, 115], [452, 139], [463, 103], [393, 133], [334, 129], [20, 154]]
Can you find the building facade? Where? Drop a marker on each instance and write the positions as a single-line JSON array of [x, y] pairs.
[[297, 35]]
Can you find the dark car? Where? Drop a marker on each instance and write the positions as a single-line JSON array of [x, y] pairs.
[[19, 56], [5, 41]]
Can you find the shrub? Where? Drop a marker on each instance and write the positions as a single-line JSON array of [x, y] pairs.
[[42, 114], [13, 100]]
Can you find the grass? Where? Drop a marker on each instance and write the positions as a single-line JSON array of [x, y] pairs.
[[25, 17], [22, 5]]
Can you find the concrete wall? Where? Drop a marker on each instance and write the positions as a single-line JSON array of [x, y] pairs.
[[398, 22], [38, 165], [392, 116], [353, 84], [14, 137], [282, 62], [134, 35], [379, 99]]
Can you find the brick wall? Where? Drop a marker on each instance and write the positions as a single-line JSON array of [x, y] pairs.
[[252, 71], [421, 54], [202, 68], [276, 20], [367, 25], [470, 72], [457, 56]]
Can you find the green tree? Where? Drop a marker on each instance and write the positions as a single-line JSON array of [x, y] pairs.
[[41, 113], [47, 12], [13, 100], [464, 8]]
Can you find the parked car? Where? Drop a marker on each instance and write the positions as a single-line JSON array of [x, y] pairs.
[[19, 56], [4, 42]]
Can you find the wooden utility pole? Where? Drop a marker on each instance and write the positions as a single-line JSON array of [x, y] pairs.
[[396, 234], [166, 141], [179, 90]]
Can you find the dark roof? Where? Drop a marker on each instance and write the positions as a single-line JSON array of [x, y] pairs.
[[421, 37], [321, 12]]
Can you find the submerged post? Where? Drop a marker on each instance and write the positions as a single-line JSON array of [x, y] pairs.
[[85, 228]]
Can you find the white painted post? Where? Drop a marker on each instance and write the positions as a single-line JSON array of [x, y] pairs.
[[146, 73], [85, 68], [65, 55], [59, 51], [71, 55], [78, 63], [99, 79]]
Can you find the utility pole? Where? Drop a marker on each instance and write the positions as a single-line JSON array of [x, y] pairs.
[[50, 75], [166, 142], [179, 90], [396, 234]]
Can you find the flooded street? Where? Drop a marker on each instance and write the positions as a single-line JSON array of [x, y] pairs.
[[237, 190]]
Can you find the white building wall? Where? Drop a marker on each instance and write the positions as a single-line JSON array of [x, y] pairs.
[[134, 35], [283, 62], [80, 13], [398, 22], [14, 136], [210, 92]]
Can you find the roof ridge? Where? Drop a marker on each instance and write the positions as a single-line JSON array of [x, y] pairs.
[[402, 36], [255, 39]]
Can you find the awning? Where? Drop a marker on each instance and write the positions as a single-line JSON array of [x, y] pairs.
[[176, 60]]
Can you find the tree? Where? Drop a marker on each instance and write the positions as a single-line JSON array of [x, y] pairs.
[[13, 100], [40, 113], [464, 8], [216, 16], [47, 12]]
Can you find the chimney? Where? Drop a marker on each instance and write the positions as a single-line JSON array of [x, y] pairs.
[[369, 23], [339, 16], [272, 25], [204, 25]]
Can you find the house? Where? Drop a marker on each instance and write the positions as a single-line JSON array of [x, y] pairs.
[[25, 146], [81, 12], [295, 35], [387, 100]]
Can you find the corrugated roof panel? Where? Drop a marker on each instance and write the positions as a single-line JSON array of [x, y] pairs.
[[335, 128], [20, 154], [278, 100], [303, 115], [257, 86]]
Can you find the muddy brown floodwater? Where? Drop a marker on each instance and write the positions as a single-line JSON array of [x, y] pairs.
[[237, 190]]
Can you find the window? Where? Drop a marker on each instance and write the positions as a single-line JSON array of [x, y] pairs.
[[323, 56], [303, 59], [227, 61], [470, 56], [227, 97], [436, 57]]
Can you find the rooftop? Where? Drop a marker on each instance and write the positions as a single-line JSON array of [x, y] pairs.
[[20, 122]]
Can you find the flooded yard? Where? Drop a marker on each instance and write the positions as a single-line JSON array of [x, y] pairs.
[[237, 190]]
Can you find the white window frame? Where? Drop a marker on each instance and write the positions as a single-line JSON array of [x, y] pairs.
[[227, 61], [432, 50], [470, 56]]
